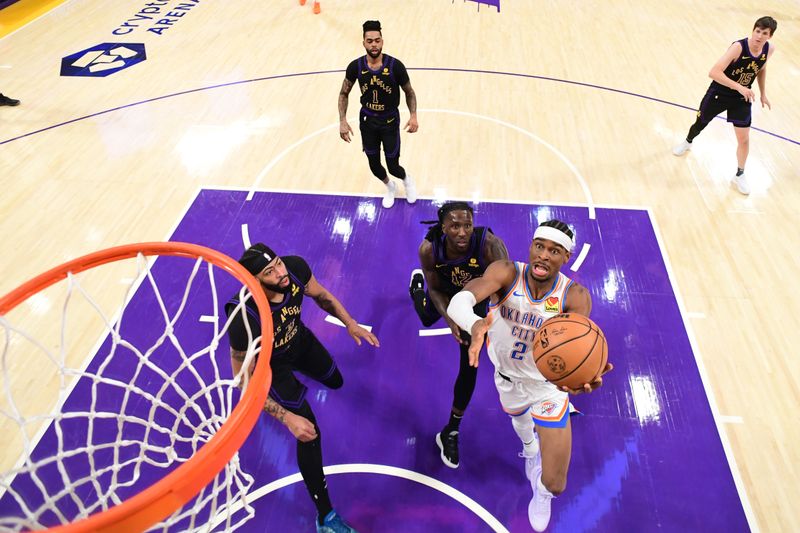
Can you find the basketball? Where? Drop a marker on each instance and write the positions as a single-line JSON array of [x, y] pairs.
[[570, 350]]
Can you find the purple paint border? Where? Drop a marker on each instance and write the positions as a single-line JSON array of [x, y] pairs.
[[432, 69]]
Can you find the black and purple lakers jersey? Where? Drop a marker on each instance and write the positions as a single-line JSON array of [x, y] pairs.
[[380, 89], [744, 69], [286, 321], [456, 273]]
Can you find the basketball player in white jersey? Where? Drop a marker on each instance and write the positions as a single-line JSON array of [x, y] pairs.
[[522, 297]]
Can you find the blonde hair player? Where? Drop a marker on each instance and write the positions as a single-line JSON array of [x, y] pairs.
[[522, 296]]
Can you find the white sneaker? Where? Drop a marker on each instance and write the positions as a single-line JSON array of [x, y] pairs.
[[411, 190], [682, 148], [741, 184], [539, 508], [388, 196]]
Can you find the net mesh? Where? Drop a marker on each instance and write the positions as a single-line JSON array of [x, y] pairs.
[[152, 393]]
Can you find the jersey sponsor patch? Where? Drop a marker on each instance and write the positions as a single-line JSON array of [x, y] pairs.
[[551, 305]]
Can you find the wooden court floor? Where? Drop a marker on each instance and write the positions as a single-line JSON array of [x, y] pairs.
[[539, 102]]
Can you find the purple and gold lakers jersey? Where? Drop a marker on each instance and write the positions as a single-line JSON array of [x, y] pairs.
[[744, 69]]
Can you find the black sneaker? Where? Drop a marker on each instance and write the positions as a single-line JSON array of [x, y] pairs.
[[448, 445], [5, 100], [417, 282]]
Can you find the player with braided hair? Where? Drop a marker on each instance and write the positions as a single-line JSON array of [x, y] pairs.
[[453, 253]]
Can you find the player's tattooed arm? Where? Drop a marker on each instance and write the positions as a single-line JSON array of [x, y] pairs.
[[331, 305], [495, 248], [237, 360], [302, 428], [344, 93], [275, 410], [411, 98]]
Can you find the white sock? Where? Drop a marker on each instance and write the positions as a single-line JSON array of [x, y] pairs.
[[523, 425], [541, 489]]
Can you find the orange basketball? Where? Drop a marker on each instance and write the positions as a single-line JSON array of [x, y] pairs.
[[569, 349]]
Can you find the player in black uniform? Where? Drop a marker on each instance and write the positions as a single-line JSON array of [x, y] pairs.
[[286, 280], [733, 75], [453, 253], [380, 78]]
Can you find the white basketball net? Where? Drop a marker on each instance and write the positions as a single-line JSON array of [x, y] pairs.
[[143, 408]]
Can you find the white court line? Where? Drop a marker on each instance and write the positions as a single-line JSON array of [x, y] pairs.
[[358, 468], [712, 402], [586, 192], [283, 153], [581, 256], [334, 320], [245, 236], [434, 332], [208, 318], [694, 314], [729, 419]]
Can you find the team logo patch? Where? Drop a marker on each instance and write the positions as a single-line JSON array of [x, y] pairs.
[[547, 408], [103, 60], [551, 305], [473, 261]]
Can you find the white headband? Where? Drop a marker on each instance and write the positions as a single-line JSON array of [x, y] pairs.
[[556, 235]]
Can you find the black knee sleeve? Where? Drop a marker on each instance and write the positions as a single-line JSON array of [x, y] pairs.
[[465, 382], [393, 163], [375, 166]]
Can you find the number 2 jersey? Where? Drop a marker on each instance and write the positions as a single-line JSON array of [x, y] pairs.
[[515, 320], [743, 70]]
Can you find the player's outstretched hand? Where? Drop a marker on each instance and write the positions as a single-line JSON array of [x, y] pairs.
[[765, 102], [589, 387], [301, 427], [456, 331], [412, 125], [358, 333], [345, 130], [478, 332]]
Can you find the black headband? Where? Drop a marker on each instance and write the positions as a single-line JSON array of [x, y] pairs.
[[257, 257]]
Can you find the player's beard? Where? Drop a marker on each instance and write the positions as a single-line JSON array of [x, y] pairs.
[[277, 287], [373, 55]]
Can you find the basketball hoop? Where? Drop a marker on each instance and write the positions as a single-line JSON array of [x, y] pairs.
[[210, 454]]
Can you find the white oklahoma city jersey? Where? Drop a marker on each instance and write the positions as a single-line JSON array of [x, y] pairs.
[[515, 320]]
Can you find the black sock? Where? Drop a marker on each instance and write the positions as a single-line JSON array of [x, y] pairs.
[[739, 171], [454, 423]]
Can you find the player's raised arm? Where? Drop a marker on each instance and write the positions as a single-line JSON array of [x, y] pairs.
[[499, 276], [330, 304]]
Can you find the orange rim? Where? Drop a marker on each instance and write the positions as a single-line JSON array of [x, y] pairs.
[[161, 499]]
